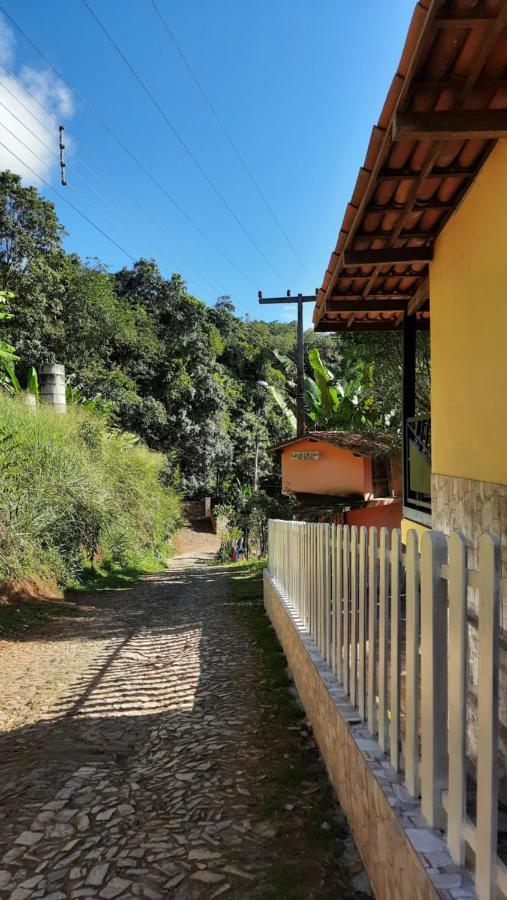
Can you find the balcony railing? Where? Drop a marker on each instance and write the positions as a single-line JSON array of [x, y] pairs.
[[417, 463]]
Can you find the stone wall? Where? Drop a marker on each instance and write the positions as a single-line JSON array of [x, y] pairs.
[[472, 508], [403, 857]]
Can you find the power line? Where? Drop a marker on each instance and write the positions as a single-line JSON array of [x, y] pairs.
[[127, 150], [180, 140], [68, 202], [217, 285], [85, 182], [227, 134]]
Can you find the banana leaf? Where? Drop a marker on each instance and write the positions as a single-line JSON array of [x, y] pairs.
[[289, 366], [32, 383], [283, 405]]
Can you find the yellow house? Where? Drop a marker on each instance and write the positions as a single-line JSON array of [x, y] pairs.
[[422, 246]]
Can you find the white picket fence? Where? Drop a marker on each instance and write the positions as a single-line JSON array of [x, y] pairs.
[[391, 624]]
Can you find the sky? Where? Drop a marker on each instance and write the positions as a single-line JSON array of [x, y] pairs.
[[237, 169]]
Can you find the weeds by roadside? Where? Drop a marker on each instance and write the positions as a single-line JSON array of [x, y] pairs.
[[312, 854]]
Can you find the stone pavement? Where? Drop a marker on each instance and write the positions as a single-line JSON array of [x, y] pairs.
[[141, 779]]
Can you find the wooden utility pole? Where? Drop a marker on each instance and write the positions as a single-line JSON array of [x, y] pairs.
[[300, 351]]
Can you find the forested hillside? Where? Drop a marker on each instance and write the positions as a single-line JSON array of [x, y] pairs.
[[182, 375]]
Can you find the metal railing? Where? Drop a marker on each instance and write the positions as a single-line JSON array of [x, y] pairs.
[[392, 627], [417, 463]]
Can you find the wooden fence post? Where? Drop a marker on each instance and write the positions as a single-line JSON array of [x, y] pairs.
[[326, 574], [412, 664], [433, 677], [372, 630], [353, 615], [457, 593], [395, 648], [487, 750], [361, 663], [346, 614], [383, 638], [339, 603]]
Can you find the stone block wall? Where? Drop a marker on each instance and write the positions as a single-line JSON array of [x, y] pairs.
[[403, 857], [473, 508]]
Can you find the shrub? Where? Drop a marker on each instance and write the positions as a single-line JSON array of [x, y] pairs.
[[73, 491]]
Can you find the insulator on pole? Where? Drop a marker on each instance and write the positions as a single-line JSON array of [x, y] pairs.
[[63, 166]]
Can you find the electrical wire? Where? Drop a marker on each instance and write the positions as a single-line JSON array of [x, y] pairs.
[[68, 202], [228, 136], [180, 140], [135, 209], [127, 150], [54, 153]]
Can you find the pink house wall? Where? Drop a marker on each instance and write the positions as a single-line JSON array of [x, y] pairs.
[[335, 472]]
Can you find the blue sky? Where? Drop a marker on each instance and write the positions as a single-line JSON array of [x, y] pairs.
[[298, 85]]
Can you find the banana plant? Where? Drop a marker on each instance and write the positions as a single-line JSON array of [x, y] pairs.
[[331, 402], [8, 358], [8, 379]]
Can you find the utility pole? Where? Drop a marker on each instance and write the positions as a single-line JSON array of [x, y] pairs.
[[300, 351]]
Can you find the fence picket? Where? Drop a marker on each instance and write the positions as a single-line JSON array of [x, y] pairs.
[[383, 637], [372, 630], [353, 615], [412, 665], [433, 677], [487, 751], [314, 582], [339, 603], [345, 609], [361, 661], [320, 571], [394, 738], [347, 589], [456, 802], [327, 591]]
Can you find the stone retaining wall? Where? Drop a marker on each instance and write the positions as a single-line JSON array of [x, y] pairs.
[[403, 857]]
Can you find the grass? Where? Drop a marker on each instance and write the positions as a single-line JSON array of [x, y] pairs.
[[111, 578], [73, 489], [305, 858]]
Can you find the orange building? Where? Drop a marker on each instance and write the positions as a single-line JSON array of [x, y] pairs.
[[354, 475]]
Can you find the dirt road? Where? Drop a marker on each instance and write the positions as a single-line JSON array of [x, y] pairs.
[[141, 755]]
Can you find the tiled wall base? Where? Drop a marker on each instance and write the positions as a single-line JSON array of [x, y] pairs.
[[405, 860], [473, 508]]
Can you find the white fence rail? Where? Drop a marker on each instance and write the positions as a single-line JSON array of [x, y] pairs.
[[392, 627]]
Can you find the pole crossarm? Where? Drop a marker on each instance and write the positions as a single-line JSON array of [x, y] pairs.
[[288, 299], [300, 359]]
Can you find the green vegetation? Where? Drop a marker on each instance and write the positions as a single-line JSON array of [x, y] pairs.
[[74, 494], [186, 378], [310, 851]]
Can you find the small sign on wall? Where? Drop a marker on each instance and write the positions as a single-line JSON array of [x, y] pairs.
[[305, 454]]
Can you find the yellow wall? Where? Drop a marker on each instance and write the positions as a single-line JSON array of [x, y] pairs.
[[468, 286], [407, 525]]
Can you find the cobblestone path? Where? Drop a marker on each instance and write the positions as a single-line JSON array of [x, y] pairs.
[[140, 778]]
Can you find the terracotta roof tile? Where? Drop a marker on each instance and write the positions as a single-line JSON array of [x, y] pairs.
[[455, 57]]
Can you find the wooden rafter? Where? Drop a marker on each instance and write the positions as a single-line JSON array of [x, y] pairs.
[[405, 175], [388, 235], [451, 125], [392, 324], [389, 255], [491, 27], [386, 304], [419, 298]]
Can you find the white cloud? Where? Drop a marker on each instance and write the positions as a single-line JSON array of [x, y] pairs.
[[32, 105]]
